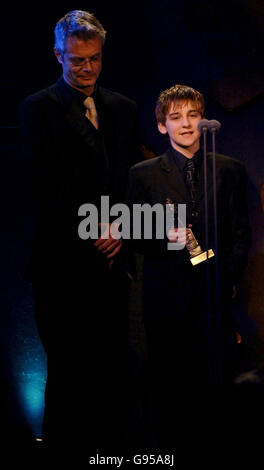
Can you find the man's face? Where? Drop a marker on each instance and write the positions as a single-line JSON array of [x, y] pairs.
[[81, 63], [181, 125]]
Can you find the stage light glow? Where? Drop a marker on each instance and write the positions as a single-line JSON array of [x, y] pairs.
[[31, 388], [27, 363]]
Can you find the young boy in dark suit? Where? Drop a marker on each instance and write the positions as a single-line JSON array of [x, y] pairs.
[[189, 349]]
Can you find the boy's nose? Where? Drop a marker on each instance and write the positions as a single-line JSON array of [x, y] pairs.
[[185, 121]]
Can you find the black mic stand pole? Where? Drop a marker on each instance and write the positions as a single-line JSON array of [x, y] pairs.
[[214, 126], [203, 127]]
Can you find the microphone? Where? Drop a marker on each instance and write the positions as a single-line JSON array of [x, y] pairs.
[[214, 126], [203, 125]]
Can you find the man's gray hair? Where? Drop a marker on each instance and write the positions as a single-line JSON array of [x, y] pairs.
[[80, 24]]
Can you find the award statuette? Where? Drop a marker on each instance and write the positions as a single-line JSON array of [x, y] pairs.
[[197, 254]]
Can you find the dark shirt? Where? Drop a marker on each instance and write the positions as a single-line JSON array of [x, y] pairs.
[[181, 160], [99, 134], [79, 95]]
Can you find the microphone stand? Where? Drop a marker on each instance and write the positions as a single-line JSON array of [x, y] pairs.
[[203, 127], [214, 361], [214, 127]]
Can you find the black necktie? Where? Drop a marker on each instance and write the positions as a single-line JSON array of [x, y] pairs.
[[189, 170]]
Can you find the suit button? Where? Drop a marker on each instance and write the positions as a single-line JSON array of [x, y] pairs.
[[195, 214]]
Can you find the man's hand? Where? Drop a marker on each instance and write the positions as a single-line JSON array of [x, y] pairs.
[[109, 244]]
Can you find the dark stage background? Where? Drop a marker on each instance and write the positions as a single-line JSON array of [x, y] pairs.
[[216, 47]]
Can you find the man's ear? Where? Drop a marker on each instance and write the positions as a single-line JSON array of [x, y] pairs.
[[162, 128], [58, 55]]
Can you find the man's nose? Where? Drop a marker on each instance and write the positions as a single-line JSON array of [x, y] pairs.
[[87, 66]]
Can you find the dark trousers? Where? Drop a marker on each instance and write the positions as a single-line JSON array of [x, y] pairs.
[[82, 323], [192, 358]]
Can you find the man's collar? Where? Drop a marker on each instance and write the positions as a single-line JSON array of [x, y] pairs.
[[181, 160], [79, 95]]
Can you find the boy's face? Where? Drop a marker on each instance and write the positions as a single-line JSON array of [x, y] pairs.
[[181, 125]]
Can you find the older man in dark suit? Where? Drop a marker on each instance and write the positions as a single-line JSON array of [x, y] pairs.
[[179, 305], [79, 140]]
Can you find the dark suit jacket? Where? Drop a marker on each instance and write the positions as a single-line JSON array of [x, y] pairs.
[[72, 164], [169, 279]]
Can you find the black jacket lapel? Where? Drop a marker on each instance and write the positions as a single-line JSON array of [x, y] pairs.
[[75, 118], [175, 184], [78, 122]]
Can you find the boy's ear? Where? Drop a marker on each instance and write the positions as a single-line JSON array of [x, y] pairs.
[[162, 128]]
